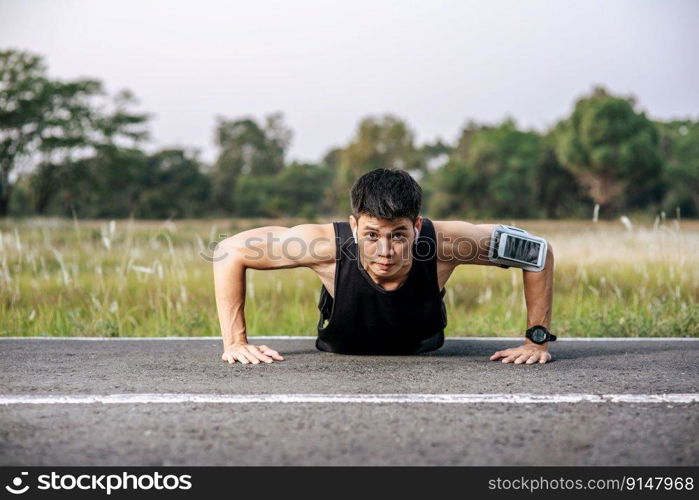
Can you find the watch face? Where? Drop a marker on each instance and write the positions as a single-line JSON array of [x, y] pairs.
[[538, 335]]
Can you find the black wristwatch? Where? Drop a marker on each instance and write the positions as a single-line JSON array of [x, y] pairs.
[[539, 334]]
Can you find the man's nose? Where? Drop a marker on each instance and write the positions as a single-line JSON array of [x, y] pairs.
[[385, 247]]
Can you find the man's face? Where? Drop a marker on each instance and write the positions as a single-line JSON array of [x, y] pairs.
[[385, 244]]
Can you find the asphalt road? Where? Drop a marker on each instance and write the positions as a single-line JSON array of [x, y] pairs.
[[349, 433]]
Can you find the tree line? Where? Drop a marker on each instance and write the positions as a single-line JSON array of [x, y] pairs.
[[69, 149]]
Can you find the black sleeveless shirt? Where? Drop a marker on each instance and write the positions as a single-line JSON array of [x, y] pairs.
[[363, 318]]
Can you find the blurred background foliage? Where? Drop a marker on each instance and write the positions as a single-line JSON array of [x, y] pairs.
[[68, 149]]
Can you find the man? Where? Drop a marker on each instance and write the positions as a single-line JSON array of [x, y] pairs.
[[382, 274]]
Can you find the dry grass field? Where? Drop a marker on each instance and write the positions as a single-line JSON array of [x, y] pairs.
[[62, 277]]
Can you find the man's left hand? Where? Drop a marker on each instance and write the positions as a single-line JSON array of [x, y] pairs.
[[527, 354]]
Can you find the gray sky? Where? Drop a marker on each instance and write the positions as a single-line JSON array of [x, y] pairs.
[[326, 64]]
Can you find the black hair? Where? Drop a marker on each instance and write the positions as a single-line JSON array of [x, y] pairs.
[[386, 194]]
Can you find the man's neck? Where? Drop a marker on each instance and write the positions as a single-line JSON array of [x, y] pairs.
[[391, 282]]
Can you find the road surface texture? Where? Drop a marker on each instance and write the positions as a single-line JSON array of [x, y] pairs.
[[174, 402]]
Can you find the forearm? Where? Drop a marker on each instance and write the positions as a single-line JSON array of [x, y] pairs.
[[229, 283], [538, 293]]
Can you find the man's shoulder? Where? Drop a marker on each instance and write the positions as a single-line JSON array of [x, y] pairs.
[[307, 231], [320, 239]]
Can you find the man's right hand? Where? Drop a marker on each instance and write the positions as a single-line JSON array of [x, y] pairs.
[[249, 353]]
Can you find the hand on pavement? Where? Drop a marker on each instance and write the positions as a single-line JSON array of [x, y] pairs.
[[248, 353]]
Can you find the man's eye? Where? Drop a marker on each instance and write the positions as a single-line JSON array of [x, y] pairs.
[[372, 235], [399, 236]]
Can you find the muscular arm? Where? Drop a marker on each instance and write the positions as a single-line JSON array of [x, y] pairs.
[[264, 248], [538, 293], [465, 243], [460, 242]]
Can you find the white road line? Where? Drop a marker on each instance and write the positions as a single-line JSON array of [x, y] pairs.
[[522, 398], [292, 337]]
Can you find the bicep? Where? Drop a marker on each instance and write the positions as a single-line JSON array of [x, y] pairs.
[[466, 243], [277, 247]]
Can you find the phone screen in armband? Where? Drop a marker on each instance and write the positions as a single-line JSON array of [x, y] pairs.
[[515, 247]]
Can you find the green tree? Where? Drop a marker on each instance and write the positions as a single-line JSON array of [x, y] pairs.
[[292, 192], [558, 193], [247, 149], [380, 142], [300, 187], [52, 120], [612, 150], [491, 172], [34, 109], [176, 187], [108, 183], [330, 163], [257, 196], [456, 186], [123, 182], [679, 142], [435, 154]]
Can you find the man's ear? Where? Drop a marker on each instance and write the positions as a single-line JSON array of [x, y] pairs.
[[354, 226], [418, 223]]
